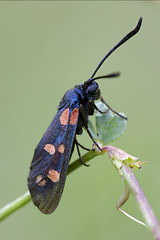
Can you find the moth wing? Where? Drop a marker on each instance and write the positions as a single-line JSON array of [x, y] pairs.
[[51, 158]]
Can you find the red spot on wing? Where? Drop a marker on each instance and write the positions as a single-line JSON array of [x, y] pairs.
[[49, 148], [61, 148], [64, 117], [40, 181], [53, 175], [39, 178], [74, 116]]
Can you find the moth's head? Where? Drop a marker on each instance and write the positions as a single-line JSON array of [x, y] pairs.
[[92, 90]]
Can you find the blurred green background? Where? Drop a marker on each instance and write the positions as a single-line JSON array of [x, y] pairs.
[[46, 49]]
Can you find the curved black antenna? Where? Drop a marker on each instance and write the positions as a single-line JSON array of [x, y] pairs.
[[126, 38], [116, 74]]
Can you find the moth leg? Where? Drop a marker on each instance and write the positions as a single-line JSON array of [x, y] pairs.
[[103, 101], [86, 126], [89, 133], [95, 107], [79, 154], [87, 149]]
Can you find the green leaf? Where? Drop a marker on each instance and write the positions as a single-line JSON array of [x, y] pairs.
[[109, 126]]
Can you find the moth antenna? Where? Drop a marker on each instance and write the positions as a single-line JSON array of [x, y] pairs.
[[126, 38], [116, 74]]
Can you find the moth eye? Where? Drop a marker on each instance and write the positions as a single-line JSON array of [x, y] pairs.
[[92, 89]]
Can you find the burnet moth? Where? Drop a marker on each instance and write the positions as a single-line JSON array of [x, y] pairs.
[[52, 155]]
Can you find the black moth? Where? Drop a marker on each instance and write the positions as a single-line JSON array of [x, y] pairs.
[[51, 158]]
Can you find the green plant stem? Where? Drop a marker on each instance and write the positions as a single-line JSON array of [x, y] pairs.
[[143, 204], [15, 205], [86, 158], [25, 198], [123, 163], [119, 160]]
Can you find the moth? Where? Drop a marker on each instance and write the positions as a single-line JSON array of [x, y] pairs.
[[51, 158]]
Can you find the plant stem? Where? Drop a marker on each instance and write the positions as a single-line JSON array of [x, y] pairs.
[[25, 198], [143, 204], [13, 206]]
